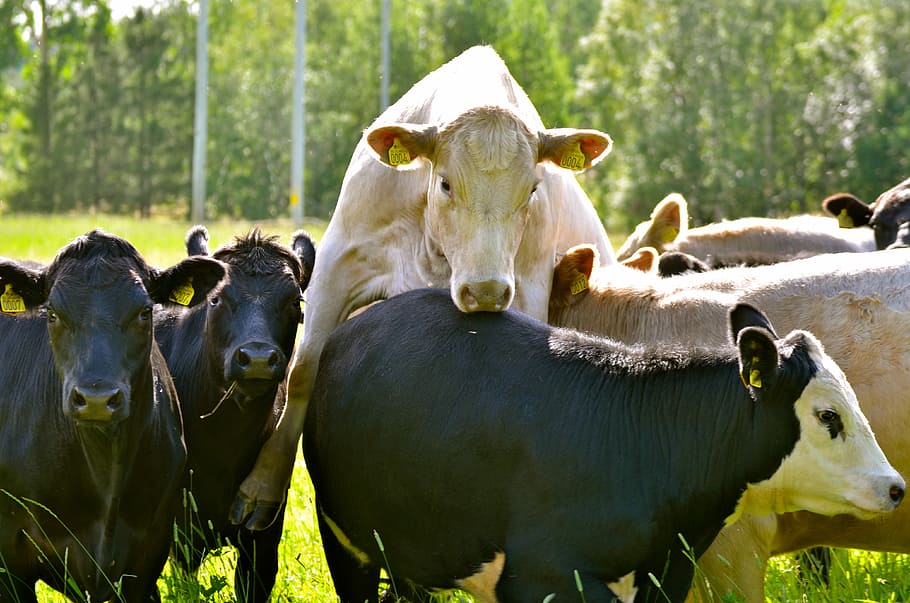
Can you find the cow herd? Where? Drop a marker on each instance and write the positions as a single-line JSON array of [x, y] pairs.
[[526, 416]]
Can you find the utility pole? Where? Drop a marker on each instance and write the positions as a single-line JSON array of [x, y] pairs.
[[298, 137], [200, 127], [384, 80]]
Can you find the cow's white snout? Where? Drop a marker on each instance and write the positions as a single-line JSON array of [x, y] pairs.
[[493, 295]]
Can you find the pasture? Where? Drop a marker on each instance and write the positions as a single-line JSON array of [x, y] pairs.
[[303, 575]]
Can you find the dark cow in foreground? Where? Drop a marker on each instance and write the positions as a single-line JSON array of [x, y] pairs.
[[457, 185], [493, 453], [888, 215], [91, 446], [228, 359], [744, 241]]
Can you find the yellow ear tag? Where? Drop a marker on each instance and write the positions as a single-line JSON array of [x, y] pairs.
[[579, 284], [755, 378], [183, 294], [844, 220], [11, 302], [574, 159], [398, 155]]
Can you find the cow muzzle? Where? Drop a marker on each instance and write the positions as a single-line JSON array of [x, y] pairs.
[[493, 295], [257, 361], [98, 403]]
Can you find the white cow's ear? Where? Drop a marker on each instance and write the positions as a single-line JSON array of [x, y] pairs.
[[573, 149], [402, 146]]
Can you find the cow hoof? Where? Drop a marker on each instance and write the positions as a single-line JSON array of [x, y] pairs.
[[253, 515]]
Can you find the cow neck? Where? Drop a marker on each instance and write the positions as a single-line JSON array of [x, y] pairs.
[[109, 453]]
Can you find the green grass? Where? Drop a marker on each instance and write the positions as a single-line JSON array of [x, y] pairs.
[[303, 576]]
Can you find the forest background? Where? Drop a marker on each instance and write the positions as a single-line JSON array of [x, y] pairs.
[[746, 107]]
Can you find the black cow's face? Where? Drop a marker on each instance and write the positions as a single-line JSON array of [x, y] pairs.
[[252, 322], [97, 297], [99, 320]]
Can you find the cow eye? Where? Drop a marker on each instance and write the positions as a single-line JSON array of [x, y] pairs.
[[831, 421], [51, 315], [214, 301], [445, 186], [146, 313]]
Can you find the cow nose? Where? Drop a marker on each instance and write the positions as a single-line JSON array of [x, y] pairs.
[[485, 296], [257, 360], [97, 403]]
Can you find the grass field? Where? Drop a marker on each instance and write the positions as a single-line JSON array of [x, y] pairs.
[[303, 576]]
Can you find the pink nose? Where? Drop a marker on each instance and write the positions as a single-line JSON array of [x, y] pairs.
[[485, 296]]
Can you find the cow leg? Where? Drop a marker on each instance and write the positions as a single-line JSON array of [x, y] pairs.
[[734, 565], [354, 582], [16, 591], [257, 562]]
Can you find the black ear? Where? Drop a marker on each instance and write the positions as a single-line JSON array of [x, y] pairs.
[[188, 282], [21, 288], [305, 247], [197, 241], [848, 209], [744, 315]]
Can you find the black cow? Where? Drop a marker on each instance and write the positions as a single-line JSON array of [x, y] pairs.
[[91, 442], [228, 359], [888, 215], [514, 460]]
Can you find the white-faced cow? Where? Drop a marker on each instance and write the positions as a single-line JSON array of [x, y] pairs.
[[744, 241], [91, 441], [457, 185], [494, 453], [228, 359], [855, 303], [888, 215]]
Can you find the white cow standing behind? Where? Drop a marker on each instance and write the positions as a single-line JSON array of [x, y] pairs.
[[458, 185]]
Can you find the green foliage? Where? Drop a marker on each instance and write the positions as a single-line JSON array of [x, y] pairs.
[[752, 107]]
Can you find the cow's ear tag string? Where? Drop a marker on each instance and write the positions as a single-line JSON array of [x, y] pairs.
[[579, 283], [11, 302], [574, 159], [398, 155], [183, 294]]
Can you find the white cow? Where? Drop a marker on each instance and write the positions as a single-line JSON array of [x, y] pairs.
[[743, 241], [855, 303], [458, 185]]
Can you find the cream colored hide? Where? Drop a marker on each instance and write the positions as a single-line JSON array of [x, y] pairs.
[[856, 304], [456, 185], [746, 241]]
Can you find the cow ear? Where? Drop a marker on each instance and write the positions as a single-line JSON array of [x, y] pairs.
[[849, 210], [668, 221], [402, 146], [188, 282], [755, 340], [571, 276], [21, 288], [644, 260], [573, 149], [305, 248], [197, 241]]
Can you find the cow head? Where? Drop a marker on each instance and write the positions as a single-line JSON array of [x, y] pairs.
[[483, 174], [251, 323], [97, 297], [888, 216], [836, 465]]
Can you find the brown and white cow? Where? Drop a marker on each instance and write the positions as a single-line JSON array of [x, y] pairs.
[[743, 241], [457, 185], [853, 302]]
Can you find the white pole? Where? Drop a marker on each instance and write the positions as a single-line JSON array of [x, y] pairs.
[[297, 124], [384, 80], [200, 132]]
